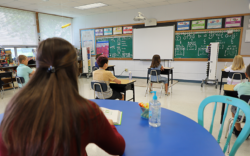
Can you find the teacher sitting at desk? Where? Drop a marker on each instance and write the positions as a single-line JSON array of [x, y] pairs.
[[48, 117]]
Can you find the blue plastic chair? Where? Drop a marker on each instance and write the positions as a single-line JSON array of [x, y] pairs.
[[228, 101], [99, 87], [153, 72]]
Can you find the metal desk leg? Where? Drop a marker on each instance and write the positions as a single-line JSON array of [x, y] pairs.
[[221, 82], [125, 94], [168, 78], [147, 77], [133, 86], [172, 77], [222, 112]]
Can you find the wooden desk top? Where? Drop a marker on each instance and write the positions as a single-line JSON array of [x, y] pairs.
[[228, 87], [168, 67], [123, 81], [111, 65]]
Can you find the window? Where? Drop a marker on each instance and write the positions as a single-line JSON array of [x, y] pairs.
[[51, 26], [29, 52], [17, 27], [13, 54]]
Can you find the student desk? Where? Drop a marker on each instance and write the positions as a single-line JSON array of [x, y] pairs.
[[123, 87], [177, 136], [166, 71], [223, 75], [6, 78], [228, 91], [111, 68]]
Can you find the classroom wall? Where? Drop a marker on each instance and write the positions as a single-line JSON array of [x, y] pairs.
[[245, 46], [182, 70]]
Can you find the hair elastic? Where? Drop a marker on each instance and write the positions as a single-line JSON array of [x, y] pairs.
[[51, 69]]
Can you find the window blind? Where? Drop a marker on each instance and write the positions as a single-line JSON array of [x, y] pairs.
[[51, 26], [17, 27]]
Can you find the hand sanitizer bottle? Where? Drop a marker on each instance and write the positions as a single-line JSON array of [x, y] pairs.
[[154, 112]]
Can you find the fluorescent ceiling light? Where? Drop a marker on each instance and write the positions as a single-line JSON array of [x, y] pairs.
[[91, 6]]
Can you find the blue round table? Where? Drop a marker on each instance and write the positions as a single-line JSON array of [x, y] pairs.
[[177, 135]]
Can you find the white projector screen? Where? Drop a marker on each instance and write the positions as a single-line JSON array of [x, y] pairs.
[[150, 41]]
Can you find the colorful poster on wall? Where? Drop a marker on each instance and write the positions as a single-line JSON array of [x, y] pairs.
[[199, 24], [88, 39], [108, 31], [183, 25], [128, 30], [233, 22], [102, 47], [214, 23], [89, 60], [117, 30], [98, 32]]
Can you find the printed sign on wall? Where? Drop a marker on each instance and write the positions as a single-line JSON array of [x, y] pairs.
[[199, 24], [88, 39], [183, 25], [108, 31], [128, 30], [117, 30], [214, 23], [102, 48], [98, 32], [233, 22]]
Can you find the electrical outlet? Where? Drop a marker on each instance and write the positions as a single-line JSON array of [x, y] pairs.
[[126, 69]]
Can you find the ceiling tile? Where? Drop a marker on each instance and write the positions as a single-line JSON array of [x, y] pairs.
[[160, 3], [137, 3], [177, 1], [110, 7], [151, 1], [15, 4], [121, 5], [128, 8], [30, 1], [89, 1], [126, 1], [143, 6], [110, 2], [72, 4], [61, 1]]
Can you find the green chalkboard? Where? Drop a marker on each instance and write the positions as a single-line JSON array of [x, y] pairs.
[[193, 44], [119, 46]]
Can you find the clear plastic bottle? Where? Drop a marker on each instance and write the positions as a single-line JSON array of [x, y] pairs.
[[130, 76], [154, 119]]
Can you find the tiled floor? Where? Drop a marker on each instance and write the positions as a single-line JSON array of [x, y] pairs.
[[185, 100]]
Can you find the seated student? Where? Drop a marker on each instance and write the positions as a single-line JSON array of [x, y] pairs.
[[49, 118], [101, 75], [156, 65], [23, 70], [242, 89], [238, 66], [96, 57]]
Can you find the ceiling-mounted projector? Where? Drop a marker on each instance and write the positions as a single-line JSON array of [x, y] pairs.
[[140, 17]]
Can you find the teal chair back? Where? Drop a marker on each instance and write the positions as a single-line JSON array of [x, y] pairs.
[[240, 104]]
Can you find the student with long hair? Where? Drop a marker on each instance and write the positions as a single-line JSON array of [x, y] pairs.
[[48, 117], [238, 66], [156, 65]]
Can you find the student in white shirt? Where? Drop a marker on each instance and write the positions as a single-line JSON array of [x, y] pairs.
[[238, 66]]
